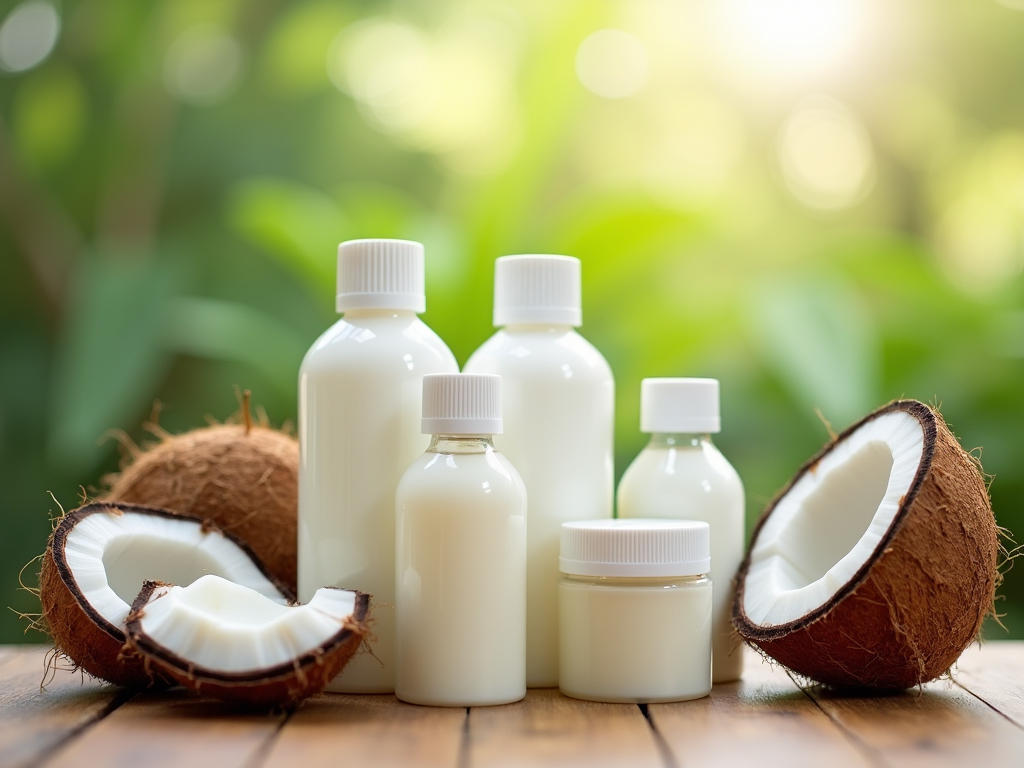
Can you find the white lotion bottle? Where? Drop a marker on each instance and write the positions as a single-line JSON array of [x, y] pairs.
[[461, 555], [558, 397], [359, 429], [681, 475]]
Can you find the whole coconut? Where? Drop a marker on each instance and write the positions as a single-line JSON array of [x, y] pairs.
[[242, 477]]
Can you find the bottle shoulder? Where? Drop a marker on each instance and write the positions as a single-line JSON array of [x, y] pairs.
[[702, 469], [401, 342], [488, 474], [540, 353]]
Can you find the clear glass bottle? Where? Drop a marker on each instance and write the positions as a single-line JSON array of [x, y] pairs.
[[559, 406], [635, 607], [359, 429], [460, 560], [680, 474]]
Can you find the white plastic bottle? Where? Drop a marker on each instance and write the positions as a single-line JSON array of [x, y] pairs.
[[682, 475], [559, 405], [461, 555], [359, 429]]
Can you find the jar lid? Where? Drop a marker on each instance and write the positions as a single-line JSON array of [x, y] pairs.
[[635, 547]]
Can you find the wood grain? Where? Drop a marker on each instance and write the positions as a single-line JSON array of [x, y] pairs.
[[547, 728], [994, 673], [939, 725], [174, 728], [765, 719], [334, 729], [34, 722]]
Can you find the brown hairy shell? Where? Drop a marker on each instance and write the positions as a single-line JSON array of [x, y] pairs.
[[78, 631], [281, 685], [242, 477], [921, 597]]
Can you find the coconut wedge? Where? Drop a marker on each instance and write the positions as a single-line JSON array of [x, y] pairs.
[[876, 565], [99, 557], [230, 642]]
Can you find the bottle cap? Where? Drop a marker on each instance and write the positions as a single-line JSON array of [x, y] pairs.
[[679, 405], [461, 404], [380, 274], [635, 547], [537, 289]]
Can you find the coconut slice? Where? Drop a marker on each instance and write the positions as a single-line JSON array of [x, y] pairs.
[[233, 643], [877, 564], [97, 561]]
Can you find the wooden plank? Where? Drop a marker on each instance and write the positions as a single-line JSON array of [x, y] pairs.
[[547, 728], [34, 722], [940, 724], [335, 729], [764, 719], [9, 652], [174, 728], [994, 672]]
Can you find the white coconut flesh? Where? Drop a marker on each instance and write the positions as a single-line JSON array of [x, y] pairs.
[[219, 625], [832, 519], [112, 554]]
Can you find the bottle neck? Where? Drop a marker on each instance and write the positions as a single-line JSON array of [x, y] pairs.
[[460, 444], [538, 328], [357, 314], [679, 440]]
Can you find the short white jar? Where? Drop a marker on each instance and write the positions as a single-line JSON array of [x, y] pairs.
[[635, 610]]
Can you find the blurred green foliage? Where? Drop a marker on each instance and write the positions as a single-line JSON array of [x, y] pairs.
[[175, 176]]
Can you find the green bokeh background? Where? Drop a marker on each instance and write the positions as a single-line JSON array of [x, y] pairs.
[[175, 177]]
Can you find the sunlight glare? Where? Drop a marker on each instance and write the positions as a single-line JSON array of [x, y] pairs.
[[795, 36]]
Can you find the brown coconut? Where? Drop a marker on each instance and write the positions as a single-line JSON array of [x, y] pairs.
[[921, 597], [78, 630], [281, 685], [242, 477]]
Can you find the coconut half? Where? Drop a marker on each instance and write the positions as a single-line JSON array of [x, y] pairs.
[[98, 559], [877, 564], [231, 642]]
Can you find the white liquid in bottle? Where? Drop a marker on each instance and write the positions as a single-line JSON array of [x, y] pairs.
[[681, 475], [461, 555], [558, 398], [359, 429]]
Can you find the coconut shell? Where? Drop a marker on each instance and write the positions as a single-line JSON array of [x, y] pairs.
[[80, 632], [920, 599], [281, 685], [244, 479]]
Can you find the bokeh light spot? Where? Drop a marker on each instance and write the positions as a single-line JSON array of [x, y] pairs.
[[28, 35], [384, 65], [792, 37], [825, 154], [203, 65], [612, 63]]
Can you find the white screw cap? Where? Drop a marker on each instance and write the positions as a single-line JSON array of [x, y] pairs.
[[679, 405], [380, 274], [461, 404], [635, 547], [537, 289]]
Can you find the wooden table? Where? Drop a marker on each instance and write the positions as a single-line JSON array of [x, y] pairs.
[[768, 719]]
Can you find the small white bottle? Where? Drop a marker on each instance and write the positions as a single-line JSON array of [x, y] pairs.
[[359, 429], [559, 406], [635, 608], [461, 555], [682, 475]]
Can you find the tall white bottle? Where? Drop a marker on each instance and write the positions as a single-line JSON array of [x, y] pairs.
[[461, 555], [681, 475], [359, 429], [558, 397]]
